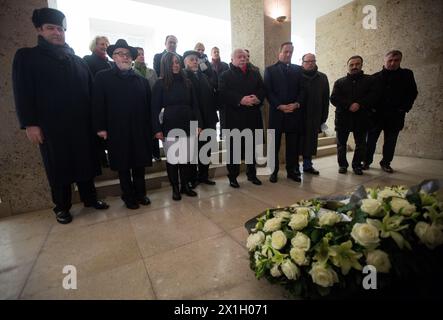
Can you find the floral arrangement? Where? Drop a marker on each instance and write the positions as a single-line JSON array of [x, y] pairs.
[[320, 246]]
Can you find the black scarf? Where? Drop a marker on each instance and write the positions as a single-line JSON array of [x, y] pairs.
[[57, 52], [355, 76], [310, 73]]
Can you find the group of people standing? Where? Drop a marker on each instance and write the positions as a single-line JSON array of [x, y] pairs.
[[75, 109]]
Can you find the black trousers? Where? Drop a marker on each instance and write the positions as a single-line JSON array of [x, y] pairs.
[[155, 148], [132, 184], [390, 141], [200, 171], [179, 173], [234, 168], [100, 147], [292, 151], [62, 195], [360, 148]]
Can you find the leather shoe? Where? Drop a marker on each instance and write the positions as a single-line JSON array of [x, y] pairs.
[[273, 178], [132, 205], [233, 183], [387, 168], [358, 171], [99, 205], [188, 191], [365, 166], [255, 181], [63, 217], [144, 201], [311, 170], [176, 196], [193, 184], [294, 176], [207, 181], [342, 170]]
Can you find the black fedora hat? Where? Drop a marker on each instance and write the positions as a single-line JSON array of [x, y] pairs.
[[121, 43]]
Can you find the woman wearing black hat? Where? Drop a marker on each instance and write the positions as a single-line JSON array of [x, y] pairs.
[[173, 93]]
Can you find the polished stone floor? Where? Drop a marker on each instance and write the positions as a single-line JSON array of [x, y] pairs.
[[192, 249]]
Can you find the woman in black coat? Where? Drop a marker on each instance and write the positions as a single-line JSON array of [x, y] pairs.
[[174, 106], [122, 116]]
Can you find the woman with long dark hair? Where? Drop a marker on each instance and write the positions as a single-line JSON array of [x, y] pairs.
[[174, 106]]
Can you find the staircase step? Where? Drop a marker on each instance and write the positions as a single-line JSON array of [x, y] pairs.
[[325, 141], [326, 150]]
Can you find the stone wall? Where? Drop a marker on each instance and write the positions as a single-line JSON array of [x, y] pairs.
[[415, 28], [23, 185]]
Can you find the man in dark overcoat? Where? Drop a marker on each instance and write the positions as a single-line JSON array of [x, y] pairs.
[[283, 82], [316, 87], [52, 90], [353, 97], [208, 110], [122, 116], [396, 93], [242, 92], [170, 46]]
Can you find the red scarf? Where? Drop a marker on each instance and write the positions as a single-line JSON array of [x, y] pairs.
[[244, 68]]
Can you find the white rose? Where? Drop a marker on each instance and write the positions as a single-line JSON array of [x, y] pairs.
[[299, 256], [301, 241], [271, 225], [254, 240], [403, 205], [275, 272], [366, 235], [371, 206], [290, 270], [323, 276], [329, 219], [278, 239], [386, 193], [282, 214], [430, 235], [298, 222], [303, 210], [380, 260]]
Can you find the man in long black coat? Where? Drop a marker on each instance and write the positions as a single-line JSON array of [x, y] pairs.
[[52, 88], [316, 87], [122, 116], [353, 97], [396, 93], [207, 104], [283, 82], [242, 93]]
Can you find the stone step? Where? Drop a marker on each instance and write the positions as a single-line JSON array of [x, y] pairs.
[[326, 150], [325, 141]]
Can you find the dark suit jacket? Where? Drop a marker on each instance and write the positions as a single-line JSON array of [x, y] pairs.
[[283, 86]]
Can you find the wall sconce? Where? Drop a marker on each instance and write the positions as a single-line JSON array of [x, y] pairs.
[[281, 19]]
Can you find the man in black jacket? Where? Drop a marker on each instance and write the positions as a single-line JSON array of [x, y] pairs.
[[170, 46], [242, 93], [52, 91], [397, 91], [206, 102], [283, 82], [353, 98]]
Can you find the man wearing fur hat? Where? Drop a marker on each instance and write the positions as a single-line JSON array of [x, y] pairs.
[[52, 88], [122, 117]]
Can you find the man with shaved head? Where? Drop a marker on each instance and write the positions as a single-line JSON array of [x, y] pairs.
[[242, 93]]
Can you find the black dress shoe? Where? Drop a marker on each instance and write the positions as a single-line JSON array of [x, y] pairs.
[[207, 181], [273, 178], [144, 201], [63, 217], [193, 184], [358, 171], [294, 176], [342, 170], [188, 191], [387, 168], [99, 205], [176, 196], [132, 205], [157, 158], [255, 181], [234, 183], [365, 166], [311, 170]]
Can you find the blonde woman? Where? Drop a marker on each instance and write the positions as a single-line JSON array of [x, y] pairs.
[[98, 60]]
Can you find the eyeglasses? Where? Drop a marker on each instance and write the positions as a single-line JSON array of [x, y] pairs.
[[310, 61], [122, 54]]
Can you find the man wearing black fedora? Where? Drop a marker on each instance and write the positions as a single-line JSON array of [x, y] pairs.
[[122, 116], [52, 88]]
